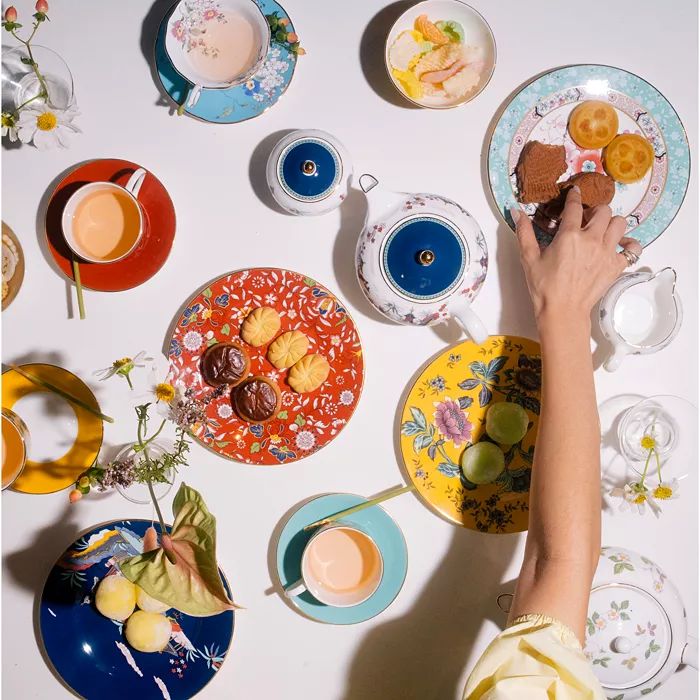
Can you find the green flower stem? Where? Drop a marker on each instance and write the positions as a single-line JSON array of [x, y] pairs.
[[26, 102], [646, 467], [155, 435], [128, 379], [658, 464], [140, 429], [44, 89]]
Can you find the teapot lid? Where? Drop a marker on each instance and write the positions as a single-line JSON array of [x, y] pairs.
[[628, 635], [423, 257], [310, 168]]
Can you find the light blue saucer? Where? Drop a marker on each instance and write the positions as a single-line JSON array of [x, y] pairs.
[[242, 102], [375, 521]]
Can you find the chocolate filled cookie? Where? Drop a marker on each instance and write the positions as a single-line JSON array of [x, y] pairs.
[[256, 400], [539, 168], [225, 363]]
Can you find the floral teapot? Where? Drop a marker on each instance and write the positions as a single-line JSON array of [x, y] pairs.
[[421, 258], [637, 628]]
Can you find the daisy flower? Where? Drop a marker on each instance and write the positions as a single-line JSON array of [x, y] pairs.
[[9, 126], [46, 126], [666, 490], [123, 367]]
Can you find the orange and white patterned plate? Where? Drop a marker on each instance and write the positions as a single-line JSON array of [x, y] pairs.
[[306, 422]]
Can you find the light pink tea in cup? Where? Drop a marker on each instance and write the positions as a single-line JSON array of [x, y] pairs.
[[106, 223], [342, 566]]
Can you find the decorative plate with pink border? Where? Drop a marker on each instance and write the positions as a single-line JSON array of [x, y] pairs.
[[540, 111], [305, 422]]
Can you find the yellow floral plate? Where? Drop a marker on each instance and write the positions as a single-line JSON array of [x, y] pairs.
[[48, 477], [445, 413]]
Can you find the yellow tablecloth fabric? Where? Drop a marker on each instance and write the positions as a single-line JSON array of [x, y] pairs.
[[535, 658]]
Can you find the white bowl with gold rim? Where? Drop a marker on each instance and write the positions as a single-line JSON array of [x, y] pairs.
[[464, 23]]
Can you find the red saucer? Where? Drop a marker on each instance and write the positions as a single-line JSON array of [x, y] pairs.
[[156, 242]]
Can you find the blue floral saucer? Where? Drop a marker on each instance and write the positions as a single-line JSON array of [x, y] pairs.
[[540, 111], [375, 521], [89, 652], [241, 102]]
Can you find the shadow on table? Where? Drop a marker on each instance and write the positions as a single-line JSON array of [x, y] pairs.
[[258, 166], [352, 220], [149, 33], [372, 53], [48, 223], [423, 654]]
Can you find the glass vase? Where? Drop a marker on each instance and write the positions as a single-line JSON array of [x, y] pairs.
[[20, 83], [139, 493]]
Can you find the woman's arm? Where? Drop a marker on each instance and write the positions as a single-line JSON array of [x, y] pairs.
[[565, 281]]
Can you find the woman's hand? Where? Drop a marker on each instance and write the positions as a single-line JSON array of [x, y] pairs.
[[571, 275]]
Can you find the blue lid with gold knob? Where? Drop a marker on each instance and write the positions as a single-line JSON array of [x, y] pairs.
[[424, 257], [308, 172]]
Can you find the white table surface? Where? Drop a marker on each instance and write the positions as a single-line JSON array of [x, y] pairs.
[[424, 645]]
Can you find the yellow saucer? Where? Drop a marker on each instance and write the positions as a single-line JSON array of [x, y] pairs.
[[445, 413], [48, 477]]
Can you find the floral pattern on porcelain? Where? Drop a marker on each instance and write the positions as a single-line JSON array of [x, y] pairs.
[[541, 110], [445, 413], [388, 300], [240, 102], [657, 636], [195, 651], [305, 422], [189, 27]]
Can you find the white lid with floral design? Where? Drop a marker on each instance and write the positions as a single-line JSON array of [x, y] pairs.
[[636, 631]]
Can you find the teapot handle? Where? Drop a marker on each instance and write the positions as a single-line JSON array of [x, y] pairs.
[[689, 655], [615, 360], [373, 182], [470, 322]]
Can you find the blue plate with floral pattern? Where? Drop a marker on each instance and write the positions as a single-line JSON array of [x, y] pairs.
[[241, 102], [90, 653], [376, 522], [540, 111]]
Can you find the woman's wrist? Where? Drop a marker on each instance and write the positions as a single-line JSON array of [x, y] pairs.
[[569, 322]]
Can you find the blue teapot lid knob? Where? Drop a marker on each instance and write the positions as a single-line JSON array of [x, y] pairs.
[[426, 257]]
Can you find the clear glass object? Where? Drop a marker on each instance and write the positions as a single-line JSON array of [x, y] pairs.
[[20, 83], [670, 420], [139, 493]]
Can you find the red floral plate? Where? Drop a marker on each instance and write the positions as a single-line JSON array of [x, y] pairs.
[[306, 422], [152, 251]]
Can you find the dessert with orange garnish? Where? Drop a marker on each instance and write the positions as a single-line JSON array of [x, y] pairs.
[[593, 124], [628, 158]]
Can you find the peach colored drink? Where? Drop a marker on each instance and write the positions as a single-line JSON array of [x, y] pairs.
[[231, 49], [14, 451], [343, 562], [106, 224]]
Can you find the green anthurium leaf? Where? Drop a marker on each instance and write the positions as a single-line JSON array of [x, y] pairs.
[[183, 572]]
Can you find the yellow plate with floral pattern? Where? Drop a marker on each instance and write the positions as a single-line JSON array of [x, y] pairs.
[[445, 413], [61, 472]]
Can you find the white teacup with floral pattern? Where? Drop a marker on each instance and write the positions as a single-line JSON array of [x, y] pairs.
[[216, 44]]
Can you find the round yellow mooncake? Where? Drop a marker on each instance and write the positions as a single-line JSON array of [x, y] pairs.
[[287, 349], [309, 373], [260, 326]]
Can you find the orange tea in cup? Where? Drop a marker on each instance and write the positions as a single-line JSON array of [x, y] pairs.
[[14, 447]]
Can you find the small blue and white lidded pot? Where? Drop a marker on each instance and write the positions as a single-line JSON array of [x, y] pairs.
[[421, 258], [309, 172]]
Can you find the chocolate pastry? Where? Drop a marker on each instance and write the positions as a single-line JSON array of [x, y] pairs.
[[224, 363], [539, 168], [256, 400], [596, 189]]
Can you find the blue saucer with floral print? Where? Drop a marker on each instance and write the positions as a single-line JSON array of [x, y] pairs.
[[373, 520], [540, 112], [241, 102], [90, 652]]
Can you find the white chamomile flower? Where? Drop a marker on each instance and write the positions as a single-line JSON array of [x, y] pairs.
[[9, 126], [46, 126]]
